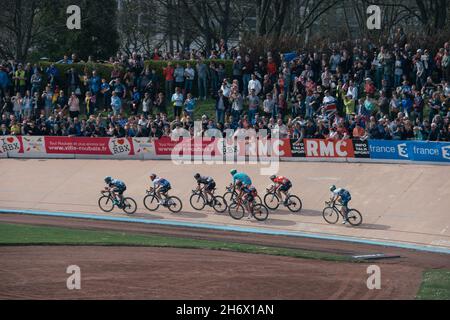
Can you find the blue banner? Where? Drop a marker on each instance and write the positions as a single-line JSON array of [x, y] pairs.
[[410, 150], [389, 149], [429, 151]]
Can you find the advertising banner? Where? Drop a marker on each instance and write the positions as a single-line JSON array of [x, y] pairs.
[[429, 151], [10, 145], [388, 149], [361, 149], [316, 148], [298, 148], [121, 147]]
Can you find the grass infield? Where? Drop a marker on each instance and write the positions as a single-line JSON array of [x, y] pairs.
[[435, 285], [15, 234]]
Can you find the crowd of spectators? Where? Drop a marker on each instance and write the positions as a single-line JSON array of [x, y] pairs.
[[393, 92]]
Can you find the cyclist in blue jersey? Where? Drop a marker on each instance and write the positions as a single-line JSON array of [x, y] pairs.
[[244, 178], [161, 187], [118, 187], [343, 196]]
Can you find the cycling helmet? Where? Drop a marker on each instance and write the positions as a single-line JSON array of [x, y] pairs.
[[332, 188], [273, 177], [233, 172], [152, 175], [197, 175], [108, 179]]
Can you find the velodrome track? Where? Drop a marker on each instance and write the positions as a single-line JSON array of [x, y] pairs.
[[404, 205]]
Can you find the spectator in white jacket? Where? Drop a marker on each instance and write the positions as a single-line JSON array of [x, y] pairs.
[[254, 84]]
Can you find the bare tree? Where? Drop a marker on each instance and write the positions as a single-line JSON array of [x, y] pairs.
[[18, 27]]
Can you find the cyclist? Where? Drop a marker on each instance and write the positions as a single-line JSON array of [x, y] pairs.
[[118, 188], [161, 187], [282, 185], [244, 178], [343, 196], [247, 193], [208, 183]]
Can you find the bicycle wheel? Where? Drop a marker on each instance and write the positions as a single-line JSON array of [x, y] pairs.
[[229, 197], [258, 200], [129, 206], [260, 212], [294, 203], [219, 204], [151, 202], [236, 211], [354, 217], [330, 215], [197, 201], [106, 204], [174, 204], [271, 201]]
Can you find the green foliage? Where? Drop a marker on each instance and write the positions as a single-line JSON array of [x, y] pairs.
[[103, 69], [159, 65]]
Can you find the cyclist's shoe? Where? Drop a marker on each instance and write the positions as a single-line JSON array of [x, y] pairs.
[[249, 217], [116, 203], [162, 202], [345, 221], [286, 202]]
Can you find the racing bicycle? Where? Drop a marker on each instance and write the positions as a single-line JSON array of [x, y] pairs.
[[331, 214], [108, 201], [231, 194], [199, 199], [237, 209], [152, 202], [273, 201]]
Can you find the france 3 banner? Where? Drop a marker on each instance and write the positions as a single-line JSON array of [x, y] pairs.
[[410, 150]]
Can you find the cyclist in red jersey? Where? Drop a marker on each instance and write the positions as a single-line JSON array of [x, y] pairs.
[[283, 185]]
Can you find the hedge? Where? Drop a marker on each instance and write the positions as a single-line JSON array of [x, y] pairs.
[[104, 70]]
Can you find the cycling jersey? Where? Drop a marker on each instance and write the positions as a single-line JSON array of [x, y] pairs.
[[117, 183], [344, 194], [205, 180], [118, 186], [281, 180], [161, 182], [245, 179]]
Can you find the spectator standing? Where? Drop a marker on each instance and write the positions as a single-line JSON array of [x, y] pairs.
[[177, 101], [202, 73], [189, 75], [168, 73], [74, 106], [179, 76]]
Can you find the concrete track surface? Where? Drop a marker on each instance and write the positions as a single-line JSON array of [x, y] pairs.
[[408, 204]]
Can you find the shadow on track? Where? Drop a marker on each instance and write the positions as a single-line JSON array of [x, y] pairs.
[[275, 222]]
